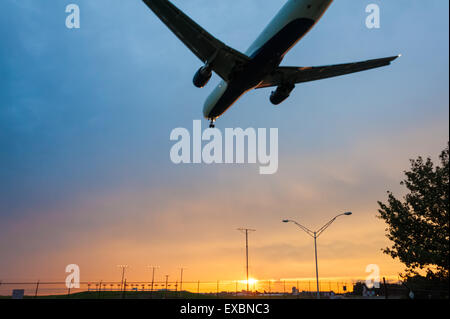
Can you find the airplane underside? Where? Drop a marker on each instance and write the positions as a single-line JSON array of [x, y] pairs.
[[260, 66], [263, 62]]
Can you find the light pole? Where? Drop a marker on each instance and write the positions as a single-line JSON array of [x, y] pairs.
[[181, 279], [123, 272], [315, 235], [245, 231], [153, 274], [167, 282]]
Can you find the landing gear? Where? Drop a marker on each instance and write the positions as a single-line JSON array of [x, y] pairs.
[[211, 123]]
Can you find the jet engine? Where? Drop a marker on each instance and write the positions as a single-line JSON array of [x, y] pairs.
[[202, 77], [281, 93]]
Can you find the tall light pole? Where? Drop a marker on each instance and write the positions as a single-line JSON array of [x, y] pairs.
[[315, 235], [245, 231], [153, 274], [123, 272], [181, 279]]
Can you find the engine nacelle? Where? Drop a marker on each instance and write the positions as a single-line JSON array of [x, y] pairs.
[[281, 93], [202, 77]]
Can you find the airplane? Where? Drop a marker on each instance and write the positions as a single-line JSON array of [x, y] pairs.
[[260, 66]]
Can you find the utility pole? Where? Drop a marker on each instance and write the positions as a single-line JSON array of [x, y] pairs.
[[245, 231]]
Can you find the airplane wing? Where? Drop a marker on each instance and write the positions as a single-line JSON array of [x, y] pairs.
[[221, 58], [293, 75]]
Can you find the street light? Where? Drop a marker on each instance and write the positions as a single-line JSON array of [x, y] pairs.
[[348, 213], [315, 235]]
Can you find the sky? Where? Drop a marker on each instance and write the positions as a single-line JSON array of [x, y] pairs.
[[86, 115]]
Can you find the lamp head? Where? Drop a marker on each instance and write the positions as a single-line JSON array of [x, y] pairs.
[[285, 220], [348, 213]]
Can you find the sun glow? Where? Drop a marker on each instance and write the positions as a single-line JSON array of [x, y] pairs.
[[251, 281]]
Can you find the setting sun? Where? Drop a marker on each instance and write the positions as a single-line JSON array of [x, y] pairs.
[[251, 281]]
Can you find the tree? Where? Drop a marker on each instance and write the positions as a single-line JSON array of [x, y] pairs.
[[418, 225]]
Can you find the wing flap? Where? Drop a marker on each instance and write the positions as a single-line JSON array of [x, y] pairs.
[[293, 75]]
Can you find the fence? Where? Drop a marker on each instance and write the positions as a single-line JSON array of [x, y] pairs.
[[221, 289], [236, 288]]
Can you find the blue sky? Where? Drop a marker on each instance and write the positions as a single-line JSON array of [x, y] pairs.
[[86, 116]]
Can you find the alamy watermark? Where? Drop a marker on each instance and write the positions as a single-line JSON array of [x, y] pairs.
[[73, 19], [227, 148], [374, 18], [373, 280], [73, 279]]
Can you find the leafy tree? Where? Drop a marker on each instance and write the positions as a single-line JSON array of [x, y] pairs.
[[418, 225]]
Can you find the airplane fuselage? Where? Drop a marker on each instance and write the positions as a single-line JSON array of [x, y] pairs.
[[291, 23]]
